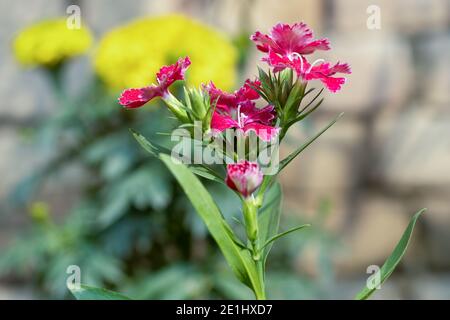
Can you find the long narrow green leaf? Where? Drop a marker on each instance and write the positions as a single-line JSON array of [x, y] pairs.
[[282, 234], [148, 146], [93, 293], [394, 259], [293, 101], [234, 237], [269, 217], [312, 100], [206, 173], [294, 154], [300, 117], [239, 259], [303, 116], [155, 150]]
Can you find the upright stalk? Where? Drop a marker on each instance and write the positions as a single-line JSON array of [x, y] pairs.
[[261, 276], [250, 210]]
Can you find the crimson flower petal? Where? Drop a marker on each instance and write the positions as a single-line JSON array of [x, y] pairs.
[[247, 91], [322, 44], [279, 62], [333, 84], [134, 98], [285, 39], [221, 122], [137, 97], [169, 74], [324, 72], [264, 132], [262, 115], [263, 41], [226, 100], [218, 96], [341, 67]]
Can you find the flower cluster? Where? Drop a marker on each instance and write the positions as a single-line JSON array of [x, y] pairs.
[[285, 48], [238, 110], [50, 42]]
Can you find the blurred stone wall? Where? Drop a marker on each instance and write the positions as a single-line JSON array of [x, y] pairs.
[[388, 157], [390, 154]]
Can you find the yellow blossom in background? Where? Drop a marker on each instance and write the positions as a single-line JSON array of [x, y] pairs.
[[130, 55], [50, 42], [40, 211]]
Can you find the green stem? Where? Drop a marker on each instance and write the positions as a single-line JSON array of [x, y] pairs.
[[176, 107], [251, 224], [260, 267], [260, 294]]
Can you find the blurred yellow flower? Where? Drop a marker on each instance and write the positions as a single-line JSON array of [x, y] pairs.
[[40, 211], [130, 55], [50, 42]]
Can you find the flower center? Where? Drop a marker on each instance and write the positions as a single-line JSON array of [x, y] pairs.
[[314, 63], [294, 55], [241, 117], [162, 79]]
